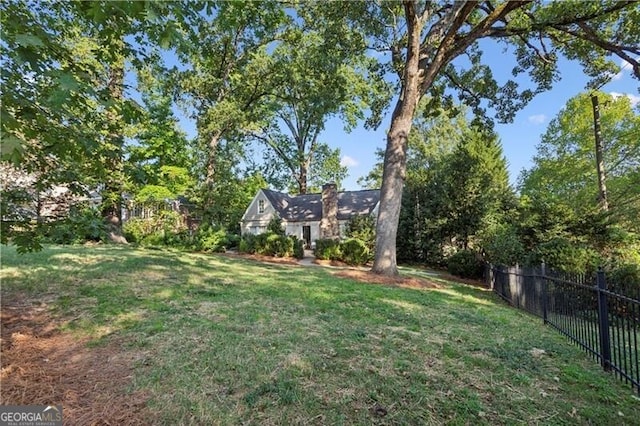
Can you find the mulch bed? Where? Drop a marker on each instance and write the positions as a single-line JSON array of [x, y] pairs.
[[400, 281], [261, 258], [41, 365]]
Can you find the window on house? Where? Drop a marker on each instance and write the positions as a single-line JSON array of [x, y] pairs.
[[261, 206]]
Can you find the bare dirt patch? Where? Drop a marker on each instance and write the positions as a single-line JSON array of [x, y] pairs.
[[42, 365], [371, 278]]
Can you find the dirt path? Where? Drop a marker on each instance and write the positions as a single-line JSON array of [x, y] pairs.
[[40, 364]]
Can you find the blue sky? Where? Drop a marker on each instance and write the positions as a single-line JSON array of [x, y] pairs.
[[519, 139]]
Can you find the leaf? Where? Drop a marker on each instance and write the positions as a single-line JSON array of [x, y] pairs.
[[68, 82], [28, 40], [11, 148]]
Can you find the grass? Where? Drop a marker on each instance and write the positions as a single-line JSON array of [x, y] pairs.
[[228, 341]]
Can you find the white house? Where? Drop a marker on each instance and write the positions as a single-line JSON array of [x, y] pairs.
[[309, 216]]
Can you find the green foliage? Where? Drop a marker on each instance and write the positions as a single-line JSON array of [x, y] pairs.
[[327, 249], [165, 228], [625, 279], [564, 173], [275, 226], [298, 248], [153, 193], [354, 252], [363, 228], [212, 240], [466, 264], [88, 224], [456, 180], [315, 76], [247, 244], [271, 244], [501, 245], [230, 196], [563, 255]]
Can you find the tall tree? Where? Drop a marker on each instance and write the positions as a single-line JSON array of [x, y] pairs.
[[308, 90], [64, 105], [565, 166], [425, 38], [222, 75]]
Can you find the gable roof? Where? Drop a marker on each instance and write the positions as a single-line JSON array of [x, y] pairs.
[[308, 207]]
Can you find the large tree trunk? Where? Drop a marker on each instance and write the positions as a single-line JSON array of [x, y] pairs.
[[302, 177], [112, 200], [395, 164], [210, 177], [395, 156]]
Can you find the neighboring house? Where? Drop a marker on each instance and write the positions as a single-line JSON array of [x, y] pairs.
[[311, 216], [29, 197]]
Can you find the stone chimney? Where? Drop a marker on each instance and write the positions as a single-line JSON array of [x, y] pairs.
[[329, 227]]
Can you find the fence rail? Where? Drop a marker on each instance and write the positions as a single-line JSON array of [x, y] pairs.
[[603, 321]]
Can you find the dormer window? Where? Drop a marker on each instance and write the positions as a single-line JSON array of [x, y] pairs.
[[260, 206]]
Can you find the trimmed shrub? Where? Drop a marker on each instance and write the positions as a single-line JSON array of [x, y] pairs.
[[327, 249], [298, 248], [271, 244], [363, 228], [354, 252], [466, 264]]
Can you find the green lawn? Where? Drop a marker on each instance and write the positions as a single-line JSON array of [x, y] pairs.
[[229, 341]]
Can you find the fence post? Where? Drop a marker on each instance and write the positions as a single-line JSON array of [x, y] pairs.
[[603, 322], [518, 278], [490, 276], [543, 277]]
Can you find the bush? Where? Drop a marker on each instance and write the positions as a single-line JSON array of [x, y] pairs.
[[271, 244], [213, 240], [247, 244], [466, 264], [298, 248], [502, 246], [135, 230], [563, 255], [625, 279], [164, 229], [327, 249], [354, 252], [275, 226], [82, 225], [363, 228]]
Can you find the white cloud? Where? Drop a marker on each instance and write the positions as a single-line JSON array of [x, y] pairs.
[[635, 99], [347, 161], [537, 119]]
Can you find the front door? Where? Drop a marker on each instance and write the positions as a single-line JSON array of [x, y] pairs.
[[306, 236]]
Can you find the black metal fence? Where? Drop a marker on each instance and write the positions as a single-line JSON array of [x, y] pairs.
[[602, 319]]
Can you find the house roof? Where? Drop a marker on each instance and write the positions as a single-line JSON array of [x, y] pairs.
[[308, 207]]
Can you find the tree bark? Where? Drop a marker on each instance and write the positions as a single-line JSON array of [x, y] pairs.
[[395, 156], [210, 177], [112, 200], [302, 178], [602, 186]]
